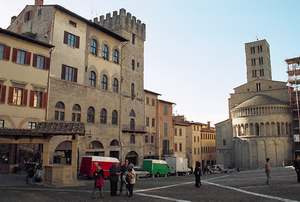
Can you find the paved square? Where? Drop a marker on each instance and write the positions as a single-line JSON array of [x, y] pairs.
[[242, 186]]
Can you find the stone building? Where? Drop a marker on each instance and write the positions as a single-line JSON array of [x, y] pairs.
[[200, 143], [181, 129], [151, 120], [259, 124], [208, 144], [165, 137], [96, 77], [24, 72]]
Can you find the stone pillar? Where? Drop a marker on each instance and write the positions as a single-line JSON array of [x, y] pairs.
[[74, 156], [46, 154]]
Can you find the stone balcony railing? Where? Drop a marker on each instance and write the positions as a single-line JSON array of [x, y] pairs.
[[136, 129]]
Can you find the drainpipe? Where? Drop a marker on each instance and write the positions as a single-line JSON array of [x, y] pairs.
[[120, 100], [48, 85]]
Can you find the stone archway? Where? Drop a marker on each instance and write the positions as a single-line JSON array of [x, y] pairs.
[[132, 157], [63, 153], [95, 148], [114, 149]]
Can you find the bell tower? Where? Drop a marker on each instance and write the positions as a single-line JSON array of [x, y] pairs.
[[258, 60]]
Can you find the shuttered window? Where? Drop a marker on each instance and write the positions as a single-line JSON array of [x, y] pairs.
[[71, 40], [69, 73], [38, 99], [21, 57], [41, 62], [2, 123], [1, 52], [17, 96], [2, 93]]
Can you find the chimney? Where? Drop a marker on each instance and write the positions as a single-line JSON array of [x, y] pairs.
[[208, 124], [12, 19], [39, 2]]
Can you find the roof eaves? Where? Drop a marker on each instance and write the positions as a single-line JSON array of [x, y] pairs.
[[25, 38], [91, 23]]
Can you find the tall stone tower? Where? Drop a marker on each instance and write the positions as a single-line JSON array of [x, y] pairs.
[[258, 60], [132, 75]]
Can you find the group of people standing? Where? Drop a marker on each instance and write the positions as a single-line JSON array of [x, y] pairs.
[[125, 173]]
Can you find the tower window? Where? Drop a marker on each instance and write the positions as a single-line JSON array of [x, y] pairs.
[[133, 64], [258, 87], [253, 73], [253, 61], [261, 60], [252, 50], [133, 39], [262, 72]]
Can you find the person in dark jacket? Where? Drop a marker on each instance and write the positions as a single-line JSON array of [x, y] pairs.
[[124, 169], [114, 178], [30, 169], [197, 173], [99, 181], [297, 167]]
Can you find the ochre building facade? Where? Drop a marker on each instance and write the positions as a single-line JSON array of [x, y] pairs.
[[96, 77]]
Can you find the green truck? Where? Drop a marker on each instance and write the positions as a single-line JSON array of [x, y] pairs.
[[156, 167]]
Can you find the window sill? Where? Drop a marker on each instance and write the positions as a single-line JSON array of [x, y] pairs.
[[22, 64], [15, 105]]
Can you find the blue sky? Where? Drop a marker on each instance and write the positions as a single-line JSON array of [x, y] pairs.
[[194, 53]]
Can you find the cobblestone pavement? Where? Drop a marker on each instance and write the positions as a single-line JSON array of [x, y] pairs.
[[242, 186]]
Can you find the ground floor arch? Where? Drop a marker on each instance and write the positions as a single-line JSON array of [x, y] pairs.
[[63, 153], [132, 157]]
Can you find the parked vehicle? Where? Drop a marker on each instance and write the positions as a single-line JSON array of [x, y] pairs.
[[178, 165], [156, 167], [140, 172], [88, 165]]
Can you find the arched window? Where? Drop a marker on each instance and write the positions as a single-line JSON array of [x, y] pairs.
[[104, 82], [132, 113], [76, 113], [278, 129], [116, 56], [105, 52], [114, 117], [96, 145], [59, 111], [132, 91], [132, 139], [91, 115], [114, 143], [94, 47], [116, 85], [132, 124], [103, 116], [92, 79], [257, 129]]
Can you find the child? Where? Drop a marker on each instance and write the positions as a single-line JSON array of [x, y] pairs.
[[99, 180]]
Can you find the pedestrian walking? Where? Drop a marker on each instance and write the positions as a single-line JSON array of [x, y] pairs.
[[130, 178], [297, 167], [123, 172], [197, 173], [114, 178], [268, 170], [30, 169], [99, 181]]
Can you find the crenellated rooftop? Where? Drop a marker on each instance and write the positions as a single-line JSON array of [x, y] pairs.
[[122, 20]]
